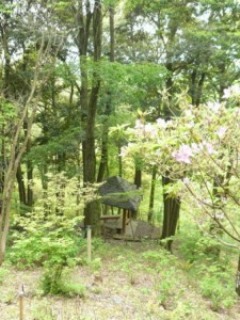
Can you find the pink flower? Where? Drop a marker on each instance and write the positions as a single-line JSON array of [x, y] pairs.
[[186, 181], [209, 147], [214, 106], [124, 152], [232, 92], [183, 154], [188, 113], [195, 148], [139, 124], [161, 123], [221, 132], [150, 131]]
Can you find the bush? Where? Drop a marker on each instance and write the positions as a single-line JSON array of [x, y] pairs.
[[42, 240], [218, 286], [52, 244], [55, 281], [3, 273]]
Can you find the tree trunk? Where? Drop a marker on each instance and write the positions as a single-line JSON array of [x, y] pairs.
[[138, 177], [2, 163], [21, 186], [29, 166], [120, 164], [152, 194], [44, 179], [197, 82], [60, 194], [103, 166], [170, 214], [104, 156], [89, 103], [238, 278], [138, 183], [29, 187]]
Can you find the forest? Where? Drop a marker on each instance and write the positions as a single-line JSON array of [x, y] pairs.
[[118, 116]]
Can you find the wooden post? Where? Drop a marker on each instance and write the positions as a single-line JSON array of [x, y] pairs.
[[21, 303], [89, 243], [124, 219], [238, 278]]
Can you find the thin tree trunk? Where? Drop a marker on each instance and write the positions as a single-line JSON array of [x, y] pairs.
[[21, 186], [29, 166], [120, 164], [238, 277], [44, 179], [60, 194], [78, 197], [152, 194], [138, 177], [138, 183], [29, 187], [170, 215], [104, 156]]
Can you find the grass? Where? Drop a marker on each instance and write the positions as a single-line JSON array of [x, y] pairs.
[[128, 281]]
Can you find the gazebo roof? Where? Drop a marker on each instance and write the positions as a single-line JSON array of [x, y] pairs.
[[118, 192]]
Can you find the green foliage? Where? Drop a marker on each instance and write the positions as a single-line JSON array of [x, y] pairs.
[[217, 285], [56, 280], [8, 111], [6, 8], [43, 311], [206, 260], [159, 258], [8, 296], [3, 273], [168, 286], [53, 245], [189, 247], [42, 241], [165, 264]]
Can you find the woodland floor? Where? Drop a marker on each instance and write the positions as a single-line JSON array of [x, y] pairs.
[[123, 281]]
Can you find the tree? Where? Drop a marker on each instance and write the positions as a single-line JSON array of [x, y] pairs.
[[192, 40], [19, 107]]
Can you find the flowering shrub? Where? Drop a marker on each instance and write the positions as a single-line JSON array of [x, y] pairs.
[[199, 146]]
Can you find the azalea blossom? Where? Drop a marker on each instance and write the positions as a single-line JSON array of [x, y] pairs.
[[161, 123], [150, 131], [183, 154], [124, 152], [170, 124], [195, 148], [208, 146], [139, 124], [190, 124], [186, 181], [221, 132], [233, 91], [214, 106], [188, 113]]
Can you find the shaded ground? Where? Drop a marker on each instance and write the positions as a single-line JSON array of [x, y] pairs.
[[132, 281], [135, 229]]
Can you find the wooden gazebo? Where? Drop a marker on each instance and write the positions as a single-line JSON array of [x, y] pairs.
[[118, 192]]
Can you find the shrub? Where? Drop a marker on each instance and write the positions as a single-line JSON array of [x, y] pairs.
[[52, 244], [218, 286], [43, 240]]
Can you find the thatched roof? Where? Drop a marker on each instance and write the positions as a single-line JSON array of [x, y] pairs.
[[118, 192]]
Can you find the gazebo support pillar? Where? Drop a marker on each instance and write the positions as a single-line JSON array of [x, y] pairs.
[[124, 220]]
